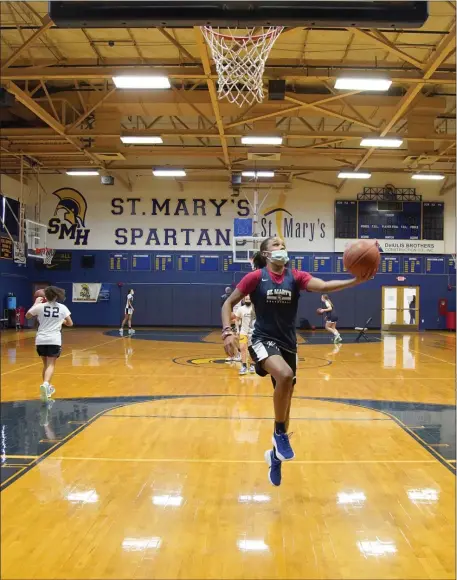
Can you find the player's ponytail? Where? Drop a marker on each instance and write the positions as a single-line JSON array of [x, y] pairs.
[[259, 260], [53, 293]]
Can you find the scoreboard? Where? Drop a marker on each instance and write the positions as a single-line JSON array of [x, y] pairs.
[[395, 220], [389, 220]]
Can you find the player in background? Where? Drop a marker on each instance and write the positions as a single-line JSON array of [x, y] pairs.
[[246, 318], [331, 318], [129, 310], [275, 290], [51, 315]]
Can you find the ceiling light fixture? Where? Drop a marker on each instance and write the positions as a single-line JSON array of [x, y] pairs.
[[140, 140], [258, 173], [261, 140], [169, 172], [362, 84], [428, 176], [141, 82], [82, 172], [381, 142], [353, 175]]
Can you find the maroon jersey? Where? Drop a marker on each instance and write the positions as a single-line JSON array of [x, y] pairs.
[[275, 299]]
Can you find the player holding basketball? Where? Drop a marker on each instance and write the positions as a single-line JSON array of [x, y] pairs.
[[274, 290], [129, 310], [51, 316], [331, 318], [245, 317]]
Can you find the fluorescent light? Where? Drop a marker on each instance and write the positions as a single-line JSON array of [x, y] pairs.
[[82, 172], [380, 142], [140, 140], [141, 82], [169, 172], [363, 84], [353, 175], [376, 548], [258, 173], [261, 140], [428, 176]]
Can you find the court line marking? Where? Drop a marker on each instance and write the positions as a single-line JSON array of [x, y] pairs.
[[63, 356], [20, 456], [95, 375], [408, 430], [243, 461], [14, 477], [215, 417], [49, 451]]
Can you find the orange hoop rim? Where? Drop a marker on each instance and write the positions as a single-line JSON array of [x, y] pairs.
[[238, 38]]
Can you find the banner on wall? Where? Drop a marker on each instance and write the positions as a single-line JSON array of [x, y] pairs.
[[399, 246], [86, 291], [82, 220]]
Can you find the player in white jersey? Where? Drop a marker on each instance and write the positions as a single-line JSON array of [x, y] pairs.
[[129, 310], [246, 318], [51, 315]]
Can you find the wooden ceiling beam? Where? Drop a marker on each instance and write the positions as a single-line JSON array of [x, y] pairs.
[[176, 71], [47, 23], [39, 134], [212, 92], [84, 115], [443, 51], [328, 113], [300, 105], [380, 40]]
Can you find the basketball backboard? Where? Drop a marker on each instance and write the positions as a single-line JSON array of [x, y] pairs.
[[235, 13]]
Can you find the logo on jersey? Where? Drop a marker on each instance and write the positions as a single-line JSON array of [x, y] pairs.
[[69, 220], [279, 296]]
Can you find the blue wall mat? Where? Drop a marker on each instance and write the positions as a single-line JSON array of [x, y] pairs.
[[193, 298], [15, 279]]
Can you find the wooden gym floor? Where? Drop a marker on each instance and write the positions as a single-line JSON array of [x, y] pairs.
[[150, 462]]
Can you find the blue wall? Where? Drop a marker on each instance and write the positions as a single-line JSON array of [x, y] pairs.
[[193, 298], [15, 279]]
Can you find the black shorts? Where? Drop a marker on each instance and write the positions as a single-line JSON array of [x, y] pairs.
[[261, 350], [51, 350], [331, 318]]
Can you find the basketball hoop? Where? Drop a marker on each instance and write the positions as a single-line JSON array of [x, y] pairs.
[[240, 61], [46, 254]]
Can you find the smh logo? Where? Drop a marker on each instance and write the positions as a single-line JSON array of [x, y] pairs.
[[69, 220]]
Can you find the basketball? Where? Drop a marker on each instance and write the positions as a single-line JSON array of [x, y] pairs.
[[320, 311], [40, 294], [362, 257]]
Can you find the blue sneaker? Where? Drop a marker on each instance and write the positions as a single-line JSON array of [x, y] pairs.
[[274, 473], [281, 443]]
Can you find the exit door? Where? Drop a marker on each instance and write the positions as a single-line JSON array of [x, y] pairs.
[[400, 308]]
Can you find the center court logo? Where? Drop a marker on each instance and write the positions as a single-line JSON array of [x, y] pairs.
[[69, 220]]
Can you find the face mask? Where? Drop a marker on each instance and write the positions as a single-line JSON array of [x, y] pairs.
[[247, 303], [279, 256]]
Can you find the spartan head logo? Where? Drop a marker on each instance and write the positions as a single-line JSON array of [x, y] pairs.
[[74, 205]]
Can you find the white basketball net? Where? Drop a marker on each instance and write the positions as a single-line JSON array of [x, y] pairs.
[[46, 254], [240, 61]]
